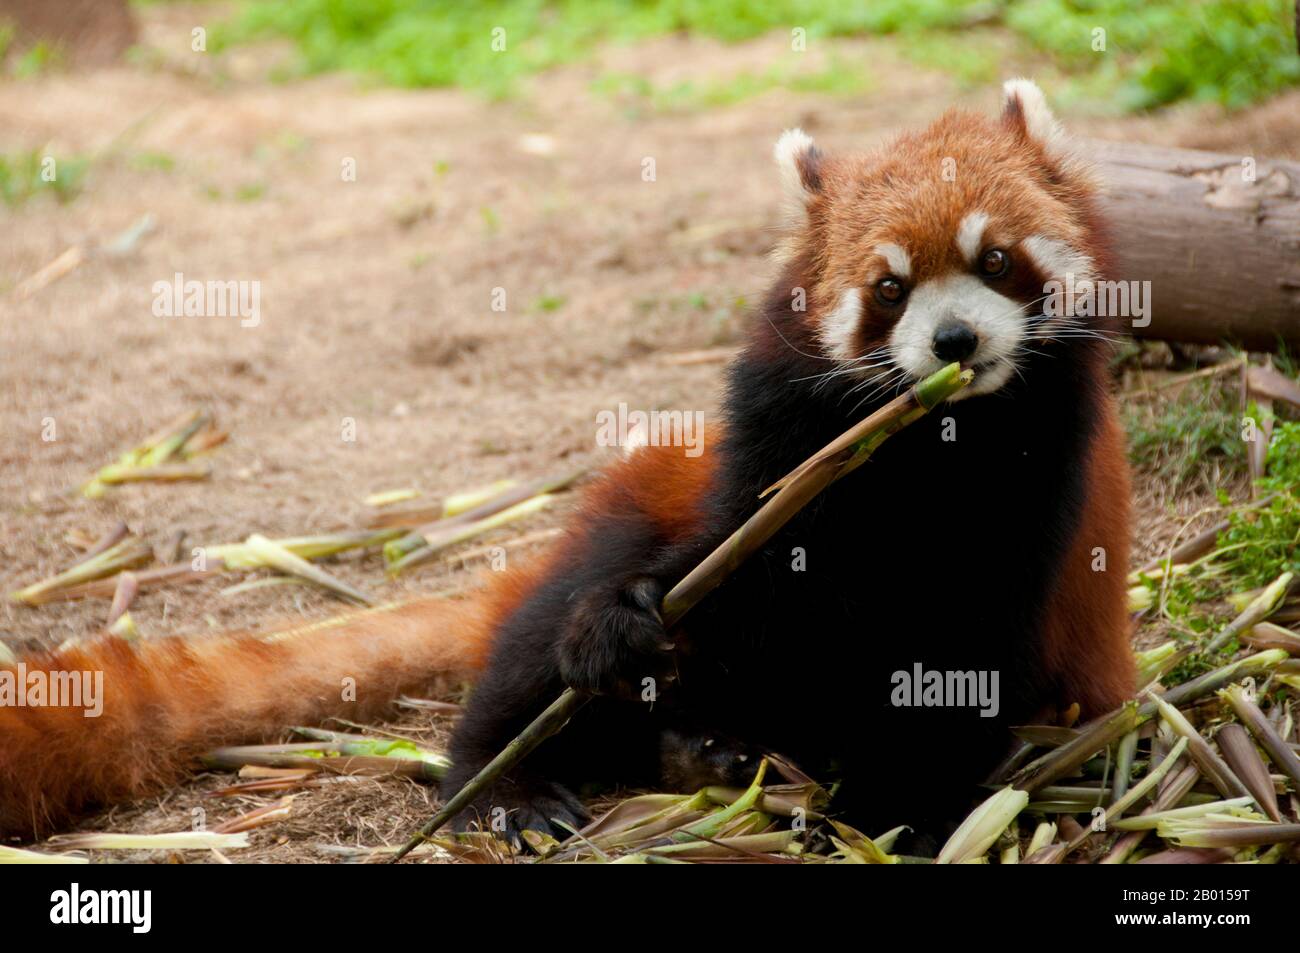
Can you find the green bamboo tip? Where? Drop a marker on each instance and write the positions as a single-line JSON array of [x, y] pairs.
[[941, 385]]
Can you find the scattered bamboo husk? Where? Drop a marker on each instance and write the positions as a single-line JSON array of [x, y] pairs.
[[1211, 765], [389, 497], [106, 542], [127, 553], [983, 826], [157, 577], [1226, 831], [840, 457], [1154, 664], [16, 855], [421, 546], [169, 550], [65, 264], [1170, 792], [461, 509], [1282, 754], [181, 840], [1260, 608], [1125, 754], [1149, 822], [258, 817], [1266, 635], [127, 588], [283, 559], [1240, 754], [1252, 666], [358, 755], [1188, 855], [1070, 756], [162, 457], [1146, 786]]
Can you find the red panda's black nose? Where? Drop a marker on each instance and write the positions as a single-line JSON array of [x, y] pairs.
[[954, 342]]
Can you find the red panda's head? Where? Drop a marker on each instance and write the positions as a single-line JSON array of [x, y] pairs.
[[940, 246]]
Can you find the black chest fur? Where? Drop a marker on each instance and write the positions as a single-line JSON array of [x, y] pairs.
[[940, 552]]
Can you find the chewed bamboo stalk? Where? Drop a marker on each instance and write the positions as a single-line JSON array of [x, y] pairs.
[[1219, 832], [983, 826], [126, 554], [181, 840], [1257, 723], [1065, 759], [1149, 822], [1170, 793], [416, 548], [1266, 635], [1240, 754], [1211, 765], [1260, 608], [277, 557], [1139, 791], [153, 459], [1252, 666], [850, 451], [358, 756]]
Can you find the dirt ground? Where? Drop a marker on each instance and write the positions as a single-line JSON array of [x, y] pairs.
[[376, 293]]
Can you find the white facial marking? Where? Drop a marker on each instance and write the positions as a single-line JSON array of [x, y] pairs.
[[1063, 263], [969, 235], [1056, 259], [998, 321], [839, 326], [900, 262]]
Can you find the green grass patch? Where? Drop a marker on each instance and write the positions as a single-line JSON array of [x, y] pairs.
[[1190, 443], [839, 78], [28, 175], [1157, 52]]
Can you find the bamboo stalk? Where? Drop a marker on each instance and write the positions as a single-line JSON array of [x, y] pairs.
[[1211, 765], [843, 455], [1169, 794], [1063, 760], [127, 553], [1260, 608], [1240, 754], [1258, 724]]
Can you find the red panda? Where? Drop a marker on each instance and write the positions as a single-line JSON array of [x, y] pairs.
[[991, 537]]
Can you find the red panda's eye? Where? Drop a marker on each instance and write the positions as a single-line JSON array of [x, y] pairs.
[[890, 291], [994, 263]]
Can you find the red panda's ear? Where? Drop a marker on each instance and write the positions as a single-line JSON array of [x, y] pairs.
[[1025, 110], [800, 163], [1026, 113]]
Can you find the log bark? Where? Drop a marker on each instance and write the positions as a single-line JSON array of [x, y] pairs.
[[1218, 237]]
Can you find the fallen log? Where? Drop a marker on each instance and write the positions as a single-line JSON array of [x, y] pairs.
[[1217, 236]]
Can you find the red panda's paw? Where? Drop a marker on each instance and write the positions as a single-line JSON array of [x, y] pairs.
[[615, 642], [528, 803]]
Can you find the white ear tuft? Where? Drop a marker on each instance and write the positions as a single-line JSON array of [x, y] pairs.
[[1039, 123], [795, 155]]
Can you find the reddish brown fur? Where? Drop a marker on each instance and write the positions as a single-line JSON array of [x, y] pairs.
[[165, 701], [1086, 637], [660, 482]]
